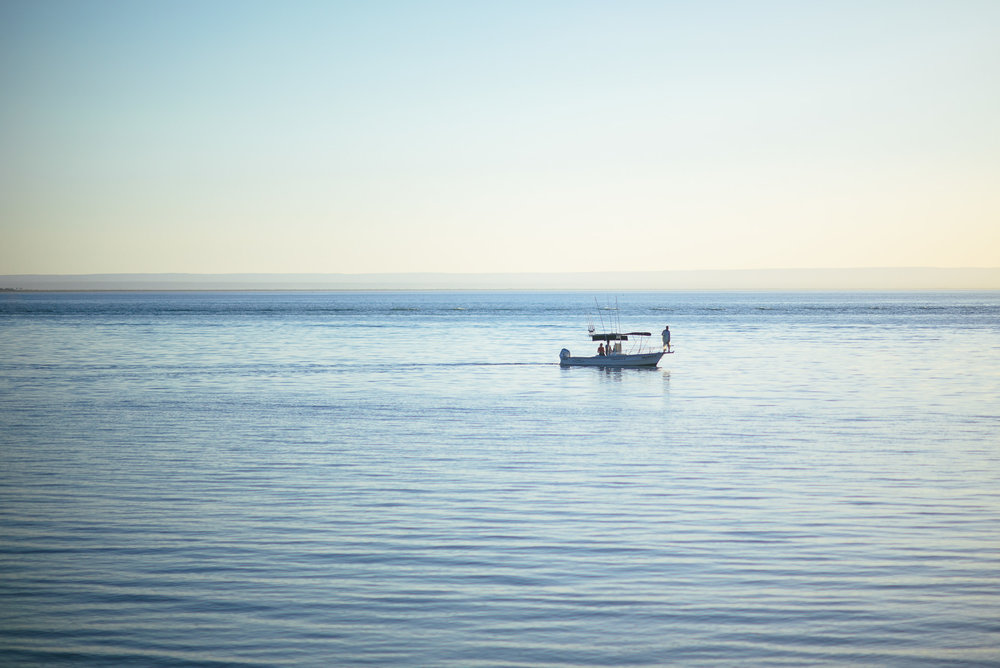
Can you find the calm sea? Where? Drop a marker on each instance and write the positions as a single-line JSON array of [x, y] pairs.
[[314, 479]]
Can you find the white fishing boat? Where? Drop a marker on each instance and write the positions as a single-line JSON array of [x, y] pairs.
[[610, 353]]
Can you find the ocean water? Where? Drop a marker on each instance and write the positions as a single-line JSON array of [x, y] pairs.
[[315, 479]]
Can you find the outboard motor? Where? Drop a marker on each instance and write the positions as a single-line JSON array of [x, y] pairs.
[[563, 354]]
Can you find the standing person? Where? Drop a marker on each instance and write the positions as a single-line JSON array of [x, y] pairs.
[[600, 350], [666, 339]]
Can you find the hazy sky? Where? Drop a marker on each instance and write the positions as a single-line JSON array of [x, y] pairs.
[[145, 136]]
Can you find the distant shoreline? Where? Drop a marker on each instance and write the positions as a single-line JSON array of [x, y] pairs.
[[32, 291], [791, 280]]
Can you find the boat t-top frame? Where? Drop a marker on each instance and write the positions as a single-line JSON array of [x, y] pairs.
[[614, 336]]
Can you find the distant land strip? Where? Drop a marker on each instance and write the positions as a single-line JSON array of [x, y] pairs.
[[919, 278]]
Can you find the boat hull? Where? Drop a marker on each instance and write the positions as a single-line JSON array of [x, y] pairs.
[[614, 361]]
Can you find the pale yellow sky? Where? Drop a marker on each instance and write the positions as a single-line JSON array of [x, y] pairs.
[[459, 137]]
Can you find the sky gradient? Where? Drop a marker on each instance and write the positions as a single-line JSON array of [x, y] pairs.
[[217, 137]]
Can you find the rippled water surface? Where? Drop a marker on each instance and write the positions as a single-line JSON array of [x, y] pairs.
[[411, 479]]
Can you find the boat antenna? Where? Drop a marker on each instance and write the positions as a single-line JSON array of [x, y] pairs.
[[600, 314]]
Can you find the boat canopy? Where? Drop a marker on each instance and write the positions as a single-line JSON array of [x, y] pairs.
[[616, 337]]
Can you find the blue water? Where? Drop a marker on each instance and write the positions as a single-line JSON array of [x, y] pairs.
[[313, 479]]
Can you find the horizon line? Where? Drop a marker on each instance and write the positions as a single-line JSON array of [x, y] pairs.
[[794, 279], [503, 273]]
